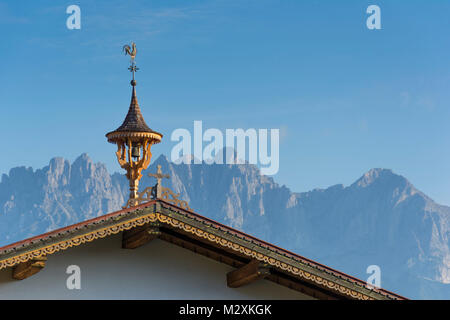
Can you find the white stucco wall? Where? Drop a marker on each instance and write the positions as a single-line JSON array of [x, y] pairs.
[[157, 270]]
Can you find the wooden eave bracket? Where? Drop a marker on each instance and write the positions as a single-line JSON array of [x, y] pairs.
[[27, 269], [137, 237], [248, 273]]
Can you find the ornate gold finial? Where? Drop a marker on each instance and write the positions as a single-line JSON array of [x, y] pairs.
[[158, 192], [133, 138]]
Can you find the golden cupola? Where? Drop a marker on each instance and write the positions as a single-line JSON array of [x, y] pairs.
[[134, 138]]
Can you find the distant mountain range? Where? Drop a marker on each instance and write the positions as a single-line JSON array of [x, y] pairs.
[[381, 219]]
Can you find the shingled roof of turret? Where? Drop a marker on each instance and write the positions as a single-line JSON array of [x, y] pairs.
[[134, 121]]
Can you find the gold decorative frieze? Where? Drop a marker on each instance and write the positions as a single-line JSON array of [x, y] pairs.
[[158, 192], [173, 198]]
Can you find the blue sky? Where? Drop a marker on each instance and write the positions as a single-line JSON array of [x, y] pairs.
[[347, 99]]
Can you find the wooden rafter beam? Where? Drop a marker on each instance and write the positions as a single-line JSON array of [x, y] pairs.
[[217, 253], [27, 269], [302, 286], [248, 273], [134, 238]]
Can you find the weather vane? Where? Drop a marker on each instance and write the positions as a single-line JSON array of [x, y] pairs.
[[131, 51]]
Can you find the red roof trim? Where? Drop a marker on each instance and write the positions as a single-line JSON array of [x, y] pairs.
[[74, 226], [283, 251]]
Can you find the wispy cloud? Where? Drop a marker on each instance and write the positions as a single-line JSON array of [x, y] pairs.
[[8, 17], [363, 125], [422, 102], [405, 98], [147, 20]]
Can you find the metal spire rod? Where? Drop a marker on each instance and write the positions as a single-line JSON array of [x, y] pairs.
[[133, 68], [131, 51]]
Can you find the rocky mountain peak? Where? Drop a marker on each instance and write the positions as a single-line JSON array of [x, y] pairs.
[[376, 175]]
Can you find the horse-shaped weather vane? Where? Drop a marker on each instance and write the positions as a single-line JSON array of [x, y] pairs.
[[131, 51]]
